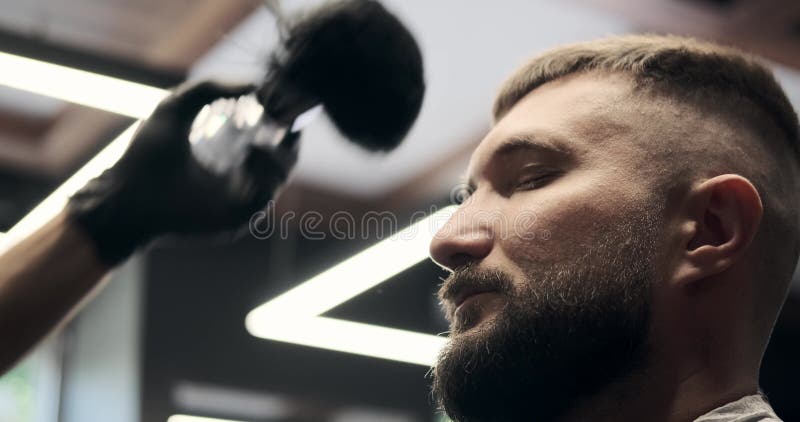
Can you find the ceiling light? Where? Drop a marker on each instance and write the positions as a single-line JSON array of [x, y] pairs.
[[349, 337], [188, 418], [211, 399], [80, 87], [293, 316]]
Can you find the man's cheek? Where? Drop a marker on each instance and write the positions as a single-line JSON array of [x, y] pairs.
[[548, 234]]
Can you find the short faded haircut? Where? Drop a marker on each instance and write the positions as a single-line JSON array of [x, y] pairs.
[[718, 83], [668, 64]]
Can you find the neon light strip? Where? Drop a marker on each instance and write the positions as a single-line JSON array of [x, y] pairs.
[[189, 418], [365, 270], [80, 87]]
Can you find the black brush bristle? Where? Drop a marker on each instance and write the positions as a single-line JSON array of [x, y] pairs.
[[360, 62]]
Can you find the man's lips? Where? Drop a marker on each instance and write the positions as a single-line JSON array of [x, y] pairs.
[[468, 292]]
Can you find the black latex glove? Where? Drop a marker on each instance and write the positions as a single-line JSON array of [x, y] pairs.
[[158, 187]]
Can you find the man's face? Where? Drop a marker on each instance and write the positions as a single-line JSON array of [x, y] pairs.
[[553, 256]]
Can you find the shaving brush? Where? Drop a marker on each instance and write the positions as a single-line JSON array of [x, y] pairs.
[[358, 61], [351, 57]]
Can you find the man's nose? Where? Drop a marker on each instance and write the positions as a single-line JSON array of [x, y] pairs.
[[461, 241]]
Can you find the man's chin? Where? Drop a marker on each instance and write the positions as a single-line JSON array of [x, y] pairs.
[[521, 360]]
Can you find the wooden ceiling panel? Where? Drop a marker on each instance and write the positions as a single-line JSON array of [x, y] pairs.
[[126, 28]]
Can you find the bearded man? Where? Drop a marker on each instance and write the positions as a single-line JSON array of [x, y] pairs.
[[662, 170]]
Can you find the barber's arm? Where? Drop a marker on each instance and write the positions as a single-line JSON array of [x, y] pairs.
[[43, 279], [156, 188]]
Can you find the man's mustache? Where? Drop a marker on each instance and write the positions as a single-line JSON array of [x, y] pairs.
[[469, 279]]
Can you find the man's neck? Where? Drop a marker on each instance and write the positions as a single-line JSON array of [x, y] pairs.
[[662, 394]]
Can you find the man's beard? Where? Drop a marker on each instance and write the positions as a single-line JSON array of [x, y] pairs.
[[565, 332]]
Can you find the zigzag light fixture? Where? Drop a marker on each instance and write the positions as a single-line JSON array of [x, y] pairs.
[[305, 303]]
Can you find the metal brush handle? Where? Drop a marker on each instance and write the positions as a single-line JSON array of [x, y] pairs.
[[224, 132]]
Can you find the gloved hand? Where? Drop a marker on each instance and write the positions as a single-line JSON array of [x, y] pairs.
[[158, 187]]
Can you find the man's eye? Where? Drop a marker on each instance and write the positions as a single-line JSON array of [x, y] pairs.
[[534, 182]]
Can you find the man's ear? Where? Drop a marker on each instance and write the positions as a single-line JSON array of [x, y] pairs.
[[721, 218]]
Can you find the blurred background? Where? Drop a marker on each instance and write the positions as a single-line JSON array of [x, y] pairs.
[[167, 337]]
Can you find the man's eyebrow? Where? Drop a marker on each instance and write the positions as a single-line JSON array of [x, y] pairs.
[[530, 142], [525, 142]]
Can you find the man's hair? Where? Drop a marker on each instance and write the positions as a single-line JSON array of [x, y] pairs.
[[719, 84], [671, 64]]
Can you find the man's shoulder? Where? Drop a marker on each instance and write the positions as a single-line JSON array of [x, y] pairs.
[[753, 408]]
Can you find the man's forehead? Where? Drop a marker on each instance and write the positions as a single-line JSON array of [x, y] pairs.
[[571, 114]]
